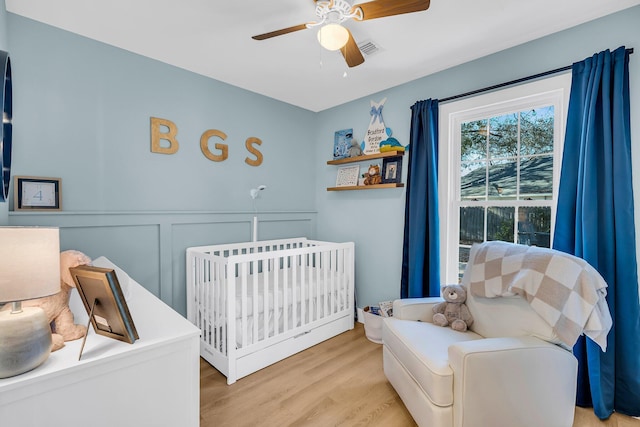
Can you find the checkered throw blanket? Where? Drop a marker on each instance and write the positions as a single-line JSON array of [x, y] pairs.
[[564, 290]]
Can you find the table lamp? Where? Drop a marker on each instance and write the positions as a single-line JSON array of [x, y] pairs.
[[29, 268]]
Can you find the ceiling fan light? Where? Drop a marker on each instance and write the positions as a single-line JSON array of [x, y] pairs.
[[333, 36]]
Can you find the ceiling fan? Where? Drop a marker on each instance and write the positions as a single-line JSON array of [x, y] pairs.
[[331, 14]]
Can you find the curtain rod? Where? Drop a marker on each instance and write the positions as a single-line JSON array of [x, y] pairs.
[[512, 82]]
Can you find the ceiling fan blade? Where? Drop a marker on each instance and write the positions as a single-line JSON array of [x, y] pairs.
[[382, 8], [280, 32], [352, 53]]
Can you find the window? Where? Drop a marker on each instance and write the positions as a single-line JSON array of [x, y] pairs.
[[499, 168]]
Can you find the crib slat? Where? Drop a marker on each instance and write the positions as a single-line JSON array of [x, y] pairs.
[[334, 286], [294, 290], [218, 306], [204, 309], [303, 294], [214, 297], [273, 265], [265, 299], [286, 305], [313, 288], [217, 315], [342, 283], [323, 278], [308, 285], [319, 291], [255, 297], [243, 286], [206, 301], [325, 282]]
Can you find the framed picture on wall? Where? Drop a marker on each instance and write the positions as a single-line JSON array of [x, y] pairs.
[[34, 193], [391, 170]]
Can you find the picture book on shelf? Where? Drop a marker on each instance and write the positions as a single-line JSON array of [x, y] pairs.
[[342, 143]]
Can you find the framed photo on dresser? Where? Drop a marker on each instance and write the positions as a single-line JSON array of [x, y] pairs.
[[104, 301]]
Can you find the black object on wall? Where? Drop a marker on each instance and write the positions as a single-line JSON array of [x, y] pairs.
[[6, 102]]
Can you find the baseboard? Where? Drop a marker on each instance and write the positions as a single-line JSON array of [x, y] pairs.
[[360, 315]]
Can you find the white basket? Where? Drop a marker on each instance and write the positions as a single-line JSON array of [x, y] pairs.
[[372, 326]]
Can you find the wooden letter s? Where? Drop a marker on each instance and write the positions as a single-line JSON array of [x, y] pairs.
[[249, 144]]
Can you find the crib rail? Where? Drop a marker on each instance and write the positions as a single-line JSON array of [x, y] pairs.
[[245, 297]]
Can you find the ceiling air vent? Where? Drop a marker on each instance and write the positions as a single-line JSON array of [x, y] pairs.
[[368, 47]]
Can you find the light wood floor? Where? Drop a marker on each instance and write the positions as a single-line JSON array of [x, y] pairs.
[[339, 382]]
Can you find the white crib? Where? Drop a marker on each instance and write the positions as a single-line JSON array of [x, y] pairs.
[[259, 302]]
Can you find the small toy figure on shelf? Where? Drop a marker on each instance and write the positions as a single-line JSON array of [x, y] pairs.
[[390, 144], [355, 150], [372, 176]]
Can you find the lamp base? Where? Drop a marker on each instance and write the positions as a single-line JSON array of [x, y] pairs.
[[25, 341]]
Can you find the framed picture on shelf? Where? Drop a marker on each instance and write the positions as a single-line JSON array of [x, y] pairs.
[[391, 170], [104, 301], [34, 193], [348, 176]]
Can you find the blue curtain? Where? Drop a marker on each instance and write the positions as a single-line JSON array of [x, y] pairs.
[[421, 249], [595, 221]]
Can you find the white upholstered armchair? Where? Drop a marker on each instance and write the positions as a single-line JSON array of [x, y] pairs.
[[513, 367]]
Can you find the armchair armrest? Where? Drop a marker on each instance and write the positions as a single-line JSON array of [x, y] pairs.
[[531, 381], [415, 308]]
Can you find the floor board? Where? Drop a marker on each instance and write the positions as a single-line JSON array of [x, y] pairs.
[[339, 382]]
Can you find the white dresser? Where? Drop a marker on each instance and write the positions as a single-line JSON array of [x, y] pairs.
[[153, 382]]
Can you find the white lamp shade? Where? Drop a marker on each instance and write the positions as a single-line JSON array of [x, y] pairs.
[[29, 263], [333, 36]]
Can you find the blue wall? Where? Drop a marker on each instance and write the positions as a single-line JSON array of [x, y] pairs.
[[81, 112], [4, 42]]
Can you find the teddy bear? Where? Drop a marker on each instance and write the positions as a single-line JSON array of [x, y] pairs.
[[453, 311], [56, 306], [372, 176]]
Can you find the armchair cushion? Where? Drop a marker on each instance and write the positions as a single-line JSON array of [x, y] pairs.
[[422, 348], [528, 382], [493, 318]]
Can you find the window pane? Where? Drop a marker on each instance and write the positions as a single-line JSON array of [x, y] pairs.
[[471, 225], [536, 131], [473, 180], [500, 222], [536, 178], [502, 179], [474, 140], [503, 136], [463, 260], [534, 226]]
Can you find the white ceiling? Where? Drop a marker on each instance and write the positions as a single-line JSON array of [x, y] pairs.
[[213, 38]]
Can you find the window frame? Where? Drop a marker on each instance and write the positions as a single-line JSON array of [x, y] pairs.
[[553, 90]]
